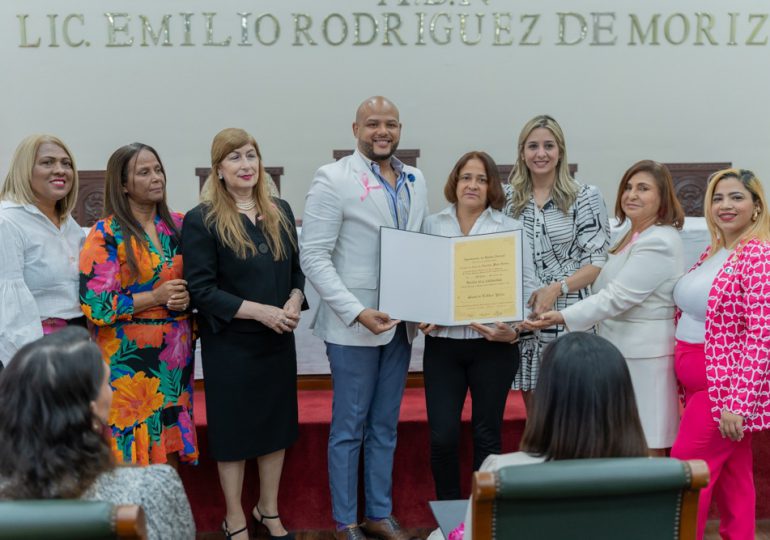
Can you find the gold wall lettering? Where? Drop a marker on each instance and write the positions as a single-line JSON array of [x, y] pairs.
[[502, 29], [704, 25], [447, 29], [342, 31], [373, 29], [733, 17], [25, 42], [420, 28], [760, 19], [302, 23], [533, 19], [582, 26], [276, 29], [463, 29], [65, 30], [437, 23], [603, 24], [52, 29], [392, 28], [244, 42], [187, 26], [117, 23], [652, 30], [156, 38], [685, 29], [210, 32]]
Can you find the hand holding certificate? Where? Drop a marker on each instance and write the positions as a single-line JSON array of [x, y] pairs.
[[451, 281]]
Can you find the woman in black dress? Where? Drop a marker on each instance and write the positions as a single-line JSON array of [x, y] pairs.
[[243, 274]]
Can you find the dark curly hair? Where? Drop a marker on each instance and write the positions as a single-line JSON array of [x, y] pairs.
[[49, 446]]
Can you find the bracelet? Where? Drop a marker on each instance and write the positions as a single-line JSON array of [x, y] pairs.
[[300, 293], [514, 340]]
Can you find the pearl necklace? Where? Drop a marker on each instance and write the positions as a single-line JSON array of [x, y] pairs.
[[246, 206]]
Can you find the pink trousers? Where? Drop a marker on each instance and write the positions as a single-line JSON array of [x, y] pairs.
[[730, 463]]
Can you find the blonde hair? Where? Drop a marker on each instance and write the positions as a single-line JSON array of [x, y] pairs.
[[565, 189], [759, 229], [222, 212], [18, 187]]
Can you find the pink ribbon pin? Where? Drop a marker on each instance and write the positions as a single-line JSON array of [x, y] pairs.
[[367, 186]]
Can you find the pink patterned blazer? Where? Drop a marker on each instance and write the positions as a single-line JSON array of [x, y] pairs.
[[737, 345]]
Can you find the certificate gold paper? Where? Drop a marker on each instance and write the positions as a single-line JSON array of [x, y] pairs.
[[451, 281], [485, 279]]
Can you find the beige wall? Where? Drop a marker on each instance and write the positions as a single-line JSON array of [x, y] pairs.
[[617, 103]]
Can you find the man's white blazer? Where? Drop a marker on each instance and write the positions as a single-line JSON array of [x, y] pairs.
[[340, 245]]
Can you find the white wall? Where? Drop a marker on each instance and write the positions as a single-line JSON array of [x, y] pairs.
[[617, 103]]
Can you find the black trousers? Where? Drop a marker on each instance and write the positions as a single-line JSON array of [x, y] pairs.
[[451, 367]]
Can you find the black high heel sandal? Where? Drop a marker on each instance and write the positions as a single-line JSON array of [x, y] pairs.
[[261, 521], [228, 534]]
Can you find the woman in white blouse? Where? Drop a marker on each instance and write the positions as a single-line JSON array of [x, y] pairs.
[[633, 302], [40, 243], [482, 358]]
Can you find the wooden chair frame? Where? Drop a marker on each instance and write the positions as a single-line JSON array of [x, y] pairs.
[[484, 494], [130, 522]]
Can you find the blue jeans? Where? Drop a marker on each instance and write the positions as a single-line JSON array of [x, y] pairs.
[[368, 387]]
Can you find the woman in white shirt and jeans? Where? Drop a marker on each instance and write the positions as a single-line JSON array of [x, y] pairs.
[[39, 244], [482, 358]]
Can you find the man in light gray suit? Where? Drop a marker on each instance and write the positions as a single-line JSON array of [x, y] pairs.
[[368, 351]]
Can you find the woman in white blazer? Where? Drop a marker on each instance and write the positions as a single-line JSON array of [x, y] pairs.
[[633, 301]]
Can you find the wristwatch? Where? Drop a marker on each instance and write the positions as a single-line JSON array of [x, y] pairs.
[[564, 287]]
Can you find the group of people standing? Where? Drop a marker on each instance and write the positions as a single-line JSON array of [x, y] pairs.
[[236, 259]]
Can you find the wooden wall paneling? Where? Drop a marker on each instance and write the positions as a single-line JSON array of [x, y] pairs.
[[690, 180]]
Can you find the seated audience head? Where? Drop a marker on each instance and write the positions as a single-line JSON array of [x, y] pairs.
[[475, 183], [735, 208], [238, 174], [584, 405], [646, 194], [54, 403], [43, 173]]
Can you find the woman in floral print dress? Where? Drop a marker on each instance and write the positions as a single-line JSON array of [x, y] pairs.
[[132, 292]]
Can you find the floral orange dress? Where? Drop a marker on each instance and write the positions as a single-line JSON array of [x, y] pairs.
[[150, 354]]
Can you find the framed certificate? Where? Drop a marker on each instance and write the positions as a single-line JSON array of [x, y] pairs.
[[451, 281]]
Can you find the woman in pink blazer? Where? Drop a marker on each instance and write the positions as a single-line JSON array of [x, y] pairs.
[[722, 348]]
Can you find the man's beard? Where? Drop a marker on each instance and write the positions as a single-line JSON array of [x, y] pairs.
[[367, 149]]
